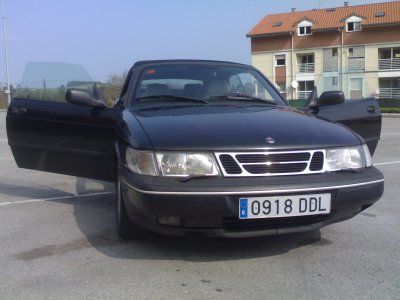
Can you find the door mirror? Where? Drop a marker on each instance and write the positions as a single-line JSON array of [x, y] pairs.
[[328, 98], [82, 97]]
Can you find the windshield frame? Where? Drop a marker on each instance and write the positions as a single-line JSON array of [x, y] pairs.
[[138, 70]]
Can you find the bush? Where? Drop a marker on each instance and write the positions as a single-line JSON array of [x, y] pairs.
[[3, 101], [390, 110]]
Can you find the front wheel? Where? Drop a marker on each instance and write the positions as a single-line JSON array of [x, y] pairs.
[[126, 229]]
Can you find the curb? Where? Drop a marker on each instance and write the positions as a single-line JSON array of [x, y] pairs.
[[391, 116]]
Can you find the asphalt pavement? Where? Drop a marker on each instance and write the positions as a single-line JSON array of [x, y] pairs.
[[58, 240]]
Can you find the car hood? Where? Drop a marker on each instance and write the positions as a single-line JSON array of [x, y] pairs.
[[220, 127]]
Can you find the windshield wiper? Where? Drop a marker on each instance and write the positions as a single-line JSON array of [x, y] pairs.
[[172, 97], [190, 177], [240, 96]]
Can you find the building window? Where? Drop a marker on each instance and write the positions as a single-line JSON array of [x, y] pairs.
[[353, 24], [356, 88], [389, 58], [356, 59], [334, 52], [281, 87], [330, 83], [389, 88], [305, 89], [306, 63], [280, 60], [305, 30]]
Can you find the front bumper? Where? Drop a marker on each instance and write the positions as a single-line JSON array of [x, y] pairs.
[[209, 206]]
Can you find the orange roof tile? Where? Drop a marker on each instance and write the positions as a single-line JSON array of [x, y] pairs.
[[325, 19]]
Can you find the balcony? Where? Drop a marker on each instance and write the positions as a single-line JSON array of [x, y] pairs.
[[302, 95], [389, 64], [306, 68], [389, 93]]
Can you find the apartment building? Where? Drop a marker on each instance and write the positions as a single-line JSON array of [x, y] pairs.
[[355, 49]]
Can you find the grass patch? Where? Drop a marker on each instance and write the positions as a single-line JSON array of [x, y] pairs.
[[390, 110]]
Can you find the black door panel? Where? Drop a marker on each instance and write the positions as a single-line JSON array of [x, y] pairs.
[[63, 138], [362, 116]]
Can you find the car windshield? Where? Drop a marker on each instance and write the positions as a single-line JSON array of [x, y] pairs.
[[207, 83]]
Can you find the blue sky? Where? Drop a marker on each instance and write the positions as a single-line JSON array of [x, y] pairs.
[[109, 36]]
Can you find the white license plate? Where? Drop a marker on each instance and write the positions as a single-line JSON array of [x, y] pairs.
[[284, 206]]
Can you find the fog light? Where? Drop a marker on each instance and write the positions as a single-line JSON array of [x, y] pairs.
[[170, 221]]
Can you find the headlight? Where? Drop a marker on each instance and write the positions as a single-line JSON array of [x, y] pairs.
[[186, 164], [345, 158], [174, 164], [367, 155], [141, 162]]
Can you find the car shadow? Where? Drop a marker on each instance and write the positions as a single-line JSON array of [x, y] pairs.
[[29, 192], [96, 220], [95, 217]]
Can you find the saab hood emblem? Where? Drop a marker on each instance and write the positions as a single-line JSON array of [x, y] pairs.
[[270, 140]]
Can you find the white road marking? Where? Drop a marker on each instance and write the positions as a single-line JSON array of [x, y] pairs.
[[391, 133], [387, 163], [54, 198], [5, 158]]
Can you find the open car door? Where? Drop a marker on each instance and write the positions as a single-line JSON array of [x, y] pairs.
[[362, 116], [62, 138], [55, 136]]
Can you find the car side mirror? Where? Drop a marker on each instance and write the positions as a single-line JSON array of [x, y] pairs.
[[83, 97], [328, 98]]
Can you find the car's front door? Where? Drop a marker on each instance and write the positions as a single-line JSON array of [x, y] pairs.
[[63, 138], [49, 134], [362, 116]]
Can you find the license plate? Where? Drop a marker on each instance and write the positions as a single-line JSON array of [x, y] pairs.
[[284, 206]]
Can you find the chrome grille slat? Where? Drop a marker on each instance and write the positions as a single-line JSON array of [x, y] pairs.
[[271, 163], [245, 158]]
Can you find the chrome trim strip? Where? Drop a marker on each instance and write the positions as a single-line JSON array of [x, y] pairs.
[[248, 174], [256, 192]]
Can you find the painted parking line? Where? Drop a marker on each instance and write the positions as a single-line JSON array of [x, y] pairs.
[[6, 158], [391, 133], [387, 163], [55, 198]]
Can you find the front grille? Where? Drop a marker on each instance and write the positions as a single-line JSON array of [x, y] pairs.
[[317, 162], [242, 164], [230, 165], [278, 168], [284, 157]]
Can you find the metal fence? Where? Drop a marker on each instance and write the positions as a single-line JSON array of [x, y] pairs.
[[383, 103]]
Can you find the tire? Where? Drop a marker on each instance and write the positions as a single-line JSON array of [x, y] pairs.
[[125, 228]]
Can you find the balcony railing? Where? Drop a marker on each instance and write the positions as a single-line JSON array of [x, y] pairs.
[[389, 64], [388, 93], [306, 68], [303, 94]]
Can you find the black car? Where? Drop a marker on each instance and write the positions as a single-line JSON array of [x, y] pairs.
[[208, 148]]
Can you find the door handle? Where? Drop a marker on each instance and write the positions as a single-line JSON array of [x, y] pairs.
[[19, 110], [371, 109]]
